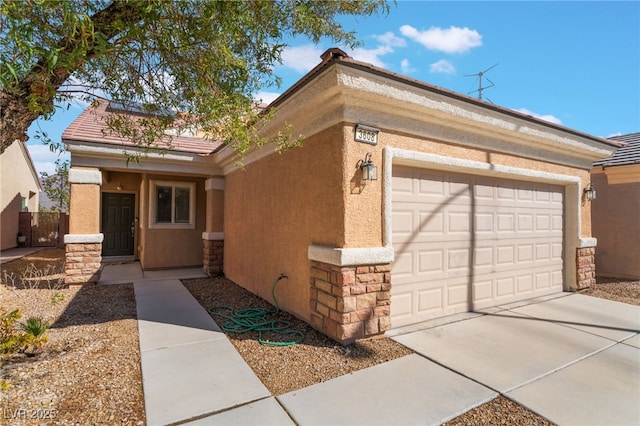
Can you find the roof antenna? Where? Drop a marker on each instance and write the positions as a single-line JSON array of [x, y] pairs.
[[479, 75]]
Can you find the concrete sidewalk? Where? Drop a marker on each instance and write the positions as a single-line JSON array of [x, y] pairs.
[[189, 367], [572, 359], [18, 252]]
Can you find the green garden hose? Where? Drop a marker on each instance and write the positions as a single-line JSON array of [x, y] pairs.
[[262, 320]]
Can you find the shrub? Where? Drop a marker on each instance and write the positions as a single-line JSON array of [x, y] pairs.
[[36, 326], [11, 341]]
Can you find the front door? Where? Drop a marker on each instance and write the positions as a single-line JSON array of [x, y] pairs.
[[118, 226]]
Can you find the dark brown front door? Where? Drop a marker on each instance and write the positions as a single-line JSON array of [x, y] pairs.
[[118, 226]]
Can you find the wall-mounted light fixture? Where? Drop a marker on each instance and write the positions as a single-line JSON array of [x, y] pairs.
[[369, 170], [590, 192]]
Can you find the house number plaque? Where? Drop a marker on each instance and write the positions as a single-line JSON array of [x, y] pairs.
[[366, 134]]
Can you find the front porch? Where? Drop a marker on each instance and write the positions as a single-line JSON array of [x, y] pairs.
[[160, 220], [128, 272]]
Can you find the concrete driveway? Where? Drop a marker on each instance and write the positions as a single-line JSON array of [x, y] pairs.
[[573, 359]]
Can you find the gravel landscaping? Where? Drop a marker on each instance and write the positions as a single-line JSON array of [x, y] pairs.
[[89, 371]]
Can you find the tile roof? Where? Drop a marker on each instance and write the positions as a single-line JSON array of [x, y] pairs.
[[91, 127], [629, 153]]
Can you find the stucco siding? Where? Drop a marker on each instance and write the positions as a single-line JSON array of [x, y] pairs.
[[18, 181], [215, 211], [84, 208], [276, 208], [616, 225], [171, 248], [121, 181]]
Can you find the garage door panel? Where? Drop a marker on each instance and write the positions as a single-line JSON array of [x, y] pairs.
[[458, 222], [402, 306], [483, 291], [516, 239], [430, 223], [429, 301], [431, 261], [430, 186], [403, 265]]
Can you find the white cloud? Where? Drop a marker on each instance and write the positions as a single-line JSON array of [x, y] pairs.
[[371, 56], [449, 40], [43, 159], [443, 67], [546, 117], [301, 58], [406, 67], [266, 97], [390, 39]]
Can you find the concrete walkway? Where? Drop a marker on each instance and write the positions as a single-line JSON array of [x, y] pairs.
[[572, 359], [189, 367], [18, 252], [132, 272]]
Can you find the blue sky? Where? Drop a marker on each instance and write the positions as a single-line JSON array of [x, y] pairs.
[[573, 63]]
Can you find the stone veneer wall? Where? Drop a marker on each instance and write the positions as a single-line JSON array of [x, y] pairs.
[[585, 267], [82, 262], [213, 256], [349, 303]]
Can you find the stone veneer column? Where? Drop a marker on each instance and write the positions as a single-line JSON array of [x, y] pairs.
[[213, 237], [82, 259], [83, 243], [350, 302], [585, 267], [213, 253], [350, 291]]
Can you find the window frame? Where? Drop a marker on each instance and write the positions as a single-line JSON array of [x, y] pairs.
[[153, 205]]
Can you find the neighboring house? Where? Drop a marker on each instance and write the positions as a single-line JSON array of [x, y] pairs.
[[615, 213], [19, 191], [474, 205]]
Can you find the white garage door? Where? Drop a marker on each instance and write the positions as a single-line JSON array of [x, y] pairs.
[[447, 263]]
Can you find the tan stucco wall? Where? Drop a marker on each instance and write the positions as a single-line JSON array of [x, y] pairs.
[[215, 211], [171, 248], [84, 209], [16, 181], [616, 225], [278, 206], [128, 182], [275, 208]]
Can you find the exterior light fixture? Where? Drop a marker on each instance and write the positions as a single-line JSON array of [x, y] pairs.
[[590, 192], [369, 170]]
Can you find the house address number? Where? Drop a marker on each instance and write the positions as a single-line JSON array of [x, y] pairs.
[[367, 134]]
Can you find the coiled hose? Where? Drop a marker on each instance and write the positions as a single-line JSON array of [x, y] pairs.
[[262, 320]]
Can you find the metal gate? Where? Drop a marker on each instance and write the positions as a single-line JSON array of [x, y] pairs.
[[45, 230]]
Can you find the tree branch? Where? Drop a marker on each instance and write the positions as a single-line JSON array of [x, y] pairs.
[[42, 82]]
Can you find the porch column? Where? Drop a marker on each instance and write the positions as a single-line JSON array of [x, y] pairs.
[[83, 243], [213, 237], [350, 291], [585, 264]]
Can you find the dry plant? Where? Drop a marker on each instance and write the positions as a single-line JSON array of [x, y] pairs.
[[33, 277]]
